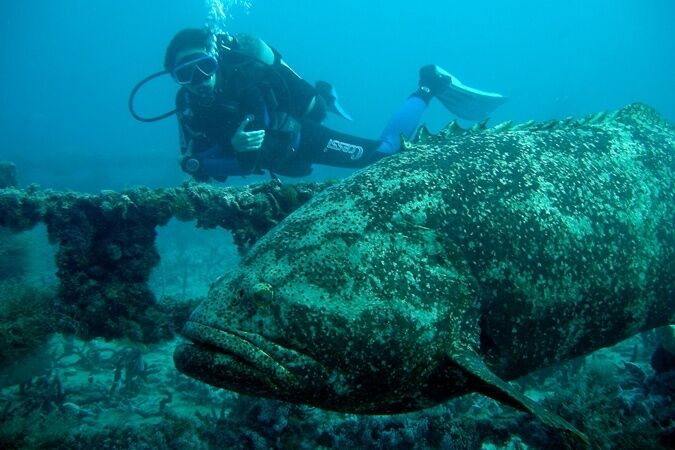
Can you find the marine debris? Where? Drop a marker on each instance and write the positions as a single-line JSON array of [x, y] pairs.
[[106, 244]]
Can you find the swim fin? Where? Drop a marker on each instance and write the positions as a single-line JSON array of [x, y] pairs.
[[461, 100], [328, 93]]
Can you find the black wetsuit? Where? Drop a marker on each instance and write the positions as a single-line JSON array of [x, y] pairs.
[[279, 101]]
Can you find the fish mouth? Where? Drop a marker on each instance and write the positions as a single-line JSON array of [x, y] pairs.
[[241, 361]]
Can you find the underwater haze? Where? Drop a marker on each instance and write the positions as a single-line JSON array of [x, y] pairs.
[[92, 304], [68, 67]]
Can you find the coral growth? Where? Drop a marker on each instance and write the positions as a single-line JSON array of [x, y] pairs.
[[97, 394], [26, 320], [107, 247]]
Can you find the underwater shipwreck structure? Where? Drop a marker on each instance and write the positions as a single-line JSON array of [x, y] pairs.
[[106, 243]]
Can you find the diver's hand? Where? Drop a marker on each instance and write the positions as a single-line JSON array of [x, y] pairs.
[[247, 141]]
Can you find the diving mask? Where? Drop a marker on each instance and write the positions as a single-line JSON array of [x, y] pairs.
[[196, 70]]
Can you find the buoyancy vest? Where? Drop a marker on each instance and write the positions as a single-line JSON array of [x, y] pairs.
[[272, 93]]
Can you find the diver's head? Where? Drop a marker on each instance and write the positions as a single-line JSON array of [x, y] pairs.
[[191, 60]]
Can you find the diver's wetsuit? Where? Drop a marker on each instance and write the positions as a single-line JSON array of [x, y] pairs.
[[279, 101]]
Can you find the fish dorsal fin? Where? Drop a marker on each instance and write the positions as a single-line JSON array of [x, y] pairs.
[[494, 387]]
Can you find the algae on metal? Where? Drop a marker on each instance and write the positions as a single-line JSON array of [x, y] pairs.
[[106, 244]]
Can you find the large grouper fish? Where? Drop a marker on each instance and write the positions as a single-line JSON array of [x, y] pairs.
[[471, 258]]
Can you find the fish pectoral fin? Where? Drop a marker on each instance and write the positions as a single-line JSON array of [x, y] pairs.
[[496, 388]]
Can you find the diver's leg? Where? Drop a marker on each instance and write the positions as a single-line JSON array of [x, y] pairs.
[[463, 101], [404, 122], [320, 145]]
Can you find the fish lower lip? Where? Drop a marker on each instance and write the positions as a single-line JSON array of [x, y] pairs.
[[236, 344]]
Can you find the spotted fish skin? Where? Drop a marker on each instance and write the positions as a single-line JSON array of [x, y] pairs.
[[568, 227], [473, 255]]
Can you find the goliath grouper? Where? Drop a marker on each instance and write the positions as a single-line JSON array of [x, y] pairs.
[[473, 257]]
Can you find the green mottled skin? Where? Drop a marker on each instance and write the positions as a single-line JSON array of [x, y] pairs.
[[526, 245]]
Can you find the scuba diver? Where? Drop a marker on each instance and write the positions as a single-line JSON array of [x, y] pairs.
[[242, 110]]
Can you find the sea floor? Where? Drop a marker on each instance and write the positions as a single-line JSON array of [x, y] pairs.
[[72, 394], [113, 395]]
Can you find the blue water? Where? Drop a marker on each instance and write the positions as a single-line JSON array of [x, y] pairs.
[[68, 66], [66, 70]]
